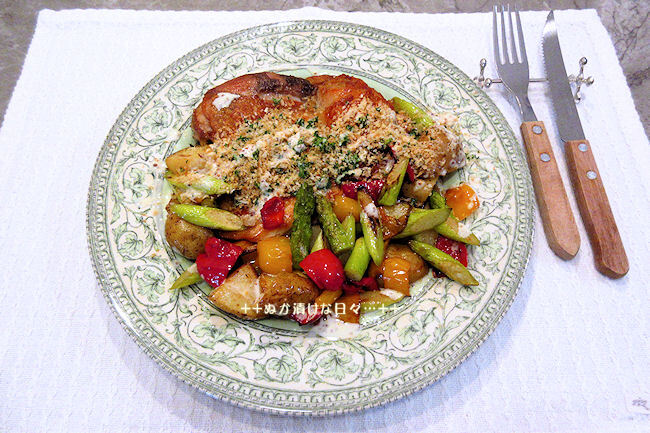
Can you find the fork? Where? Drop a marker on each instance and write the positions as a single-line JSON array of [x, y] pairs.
[[512, 66]]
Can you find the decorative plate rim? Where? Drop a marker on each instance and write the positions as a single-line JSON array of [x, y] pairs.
[[522, 242]]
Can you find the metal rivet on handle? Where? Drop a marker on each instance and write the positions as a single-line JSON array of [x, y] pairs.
[[537, 129], [582, 147], [591, 174], [545, 157]]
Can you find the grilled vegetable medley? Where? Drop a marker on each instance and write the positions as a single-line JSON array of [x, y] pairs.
[[304, 198]]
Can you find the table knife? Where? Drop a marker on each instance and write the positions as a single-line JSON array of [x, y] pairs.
[[609, 253]]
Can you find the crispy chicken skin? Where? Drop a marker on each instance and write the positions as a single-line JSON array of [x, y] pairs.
[[266, 83], [335, 94], [256, 93]]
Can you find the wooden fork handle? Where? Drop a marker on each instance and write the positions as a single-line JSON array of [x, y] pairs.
[[559, 225], [606, 242]]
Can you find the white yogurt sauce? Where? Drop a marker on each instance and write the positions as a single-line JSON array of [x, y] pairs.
[[248, 151], [463, 230], [334, 329], [224, 100], [393, 294], [193, 195], [459, 161], [371, 210], [445, 118], [295, 143]]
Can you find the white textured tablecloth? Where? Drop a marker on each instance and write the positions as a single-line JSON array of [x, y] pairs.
[[572, 354]]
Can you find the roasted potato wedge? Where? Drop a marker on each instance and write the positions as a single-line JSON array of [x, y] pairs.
[[246, 246], [239, 294], [187, 238], [286, 287], [394, 218], [190, 158], [420, 190]]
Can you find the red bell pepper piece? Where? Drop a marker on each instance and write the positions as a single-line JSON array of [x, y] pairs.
[[366, 283], [457, 250], [310, 315], [217, 261], [410, 173], [350, 189], [273, 213], [325, 269], [350, 288], [373, 187]]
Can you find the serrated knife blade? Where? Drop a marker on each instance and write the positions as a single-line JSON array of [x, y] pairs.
[[566, 114]]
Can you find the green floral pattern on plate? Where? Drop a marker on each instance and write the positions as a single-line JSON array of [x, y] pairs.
[[275, 367]]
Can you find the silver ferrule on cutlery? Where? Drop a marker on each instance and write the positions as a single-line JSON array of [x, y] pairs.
[[512, 66], [609, 253]]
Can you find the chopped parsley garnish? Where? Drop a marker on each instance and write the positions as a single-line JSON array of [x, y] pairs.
[[324, 183], [345, 140], [415, 133], [312, 123], [252, 125], [243, 138], [300, 122], [276, 101], [362, 122], [279, 170], [303, 168], [349, 127], [256, 154], [322, 143], [352, 159]]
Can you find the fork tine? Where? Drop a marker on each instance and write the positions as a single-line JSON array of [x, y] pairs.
[[504, 39], [520, 34], [495, 36], [513, 38]]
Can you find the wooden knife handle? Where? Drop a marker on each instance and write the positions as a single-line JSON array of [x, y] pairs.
[[559, 225], [609, 252]]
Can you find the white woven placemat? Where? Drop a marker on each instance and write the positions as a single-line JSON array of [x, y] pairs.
[[572, 354]]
